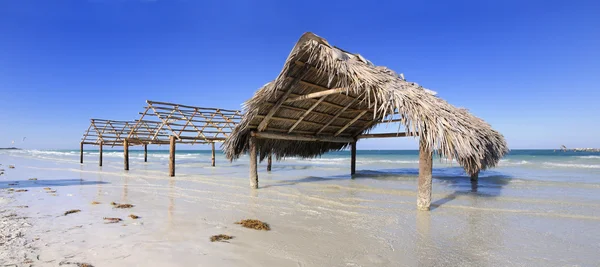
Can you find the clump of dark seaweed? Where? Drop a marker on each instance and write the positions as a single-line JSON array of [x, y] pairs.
[[71, 211], [32, 179], [112, 220], [135, 217], [220, 238], [254, 224], [121, 206]]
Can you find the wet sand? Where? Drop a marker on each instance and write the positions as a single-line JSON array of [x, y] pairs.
[[315, 220]]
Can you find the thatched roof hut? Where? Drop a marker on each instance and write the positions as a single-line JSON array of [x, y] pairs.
[[326, 98]]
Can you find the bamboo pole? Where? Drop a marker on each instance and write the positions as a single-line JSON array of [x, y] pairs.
[[172, 155], [425, 169], [81, 152], [353, 159], [100, 160], [126, 154], [475, 177], [253, 163], [145, 152], [213, 154], [269, 162]]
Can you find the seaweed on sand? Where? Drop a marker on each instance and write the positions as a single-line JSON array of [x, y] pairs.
[[112, 220], [71, 211], [254, 224], [220, 238], [135, 217], [121, 206]]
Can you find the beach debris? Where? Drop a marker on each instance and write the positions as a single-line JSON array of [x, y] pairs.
[[21, 190], [11, 166], [135, 217], [220, 238], [10, 189], [71, 211], [22, 207], [78, 264], [121, 206], [32, 179], [95, 202], [47, 188], [112, 220], [254, 224], [50, 191]]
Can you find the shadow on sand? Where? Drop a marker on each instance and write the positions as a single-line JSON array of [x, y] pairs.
[[490, 183], [47, 183]]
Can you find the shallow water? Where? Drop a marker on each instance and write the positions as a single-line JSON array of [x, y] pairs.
[[538, 208]]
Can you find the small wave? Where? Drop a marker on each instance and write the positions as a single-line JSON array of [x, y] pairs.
[[572, 165], [507, 162], [589, 157]]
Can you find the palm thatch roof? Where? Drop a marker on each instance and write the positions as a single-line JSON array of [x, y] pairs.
[[332, 96]]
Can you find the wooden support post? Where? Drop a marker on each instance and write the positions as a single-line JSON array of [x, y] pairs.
[[213, 154], [475, 177], [269, 162], [425, 169], [146, 153], [100, 159], [353, 159], [253, 163], [126, 154], [172, 139], [81, 152]]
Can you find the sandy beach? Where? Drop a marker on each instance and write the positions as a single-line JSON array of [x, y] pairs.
[[323, 220]]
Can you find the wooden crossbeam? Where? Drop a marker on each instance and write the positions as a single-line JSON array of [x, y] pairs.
[[306, 113], [337, 115], [297, 137], [382, 135], [316, 95], [350, 123], [265, 122]]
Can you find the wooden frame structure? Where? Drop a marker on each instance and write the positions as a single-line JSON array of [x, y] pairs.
[[326, 99], [185, 125], [113, 133]]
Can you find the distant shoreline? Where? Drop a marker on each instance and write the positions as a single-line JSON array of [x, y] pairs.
[[9, 148]]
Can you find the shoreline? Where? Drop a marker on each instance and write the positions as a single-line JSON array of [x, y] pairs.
[[315, 220]]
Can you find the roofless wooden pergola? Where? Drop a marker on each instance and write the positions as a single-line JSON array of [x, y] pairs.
[[113, 133], [186, 125], [163, 123]]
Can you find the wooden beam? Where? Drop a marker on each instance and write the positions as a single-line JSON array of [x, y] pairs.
[[319, 87], [185, 106], [382, 135], [213, 154], [145, 152], [253, 162], [353, 159], [306, 113], [265, 122], [475, 177], [337, 115], [350, 123], [81, 153], [172, 139], [296, 137], [269, 161], [425, 170], [126, 154], [317, 94], [100, 159]]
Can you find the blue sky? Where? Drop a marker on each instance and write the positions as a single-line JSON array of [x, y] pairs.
[[529, 68]]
